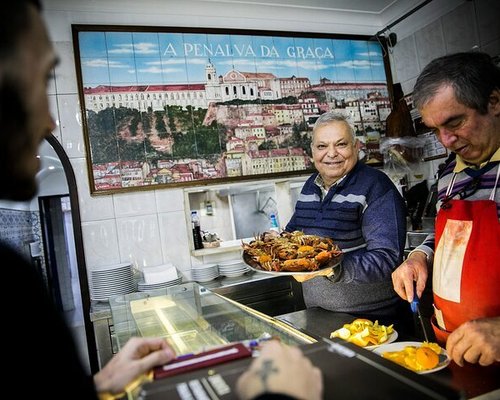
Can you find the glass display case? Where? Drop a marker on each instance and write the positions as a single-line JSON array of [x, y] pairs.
[[193, 319]]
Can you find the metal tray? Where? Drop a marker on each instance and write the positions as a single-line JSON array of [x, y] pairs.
[[326, 270]]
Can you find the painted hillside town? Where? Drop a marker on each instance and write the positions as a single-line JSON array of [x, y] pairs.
[[165, 108]]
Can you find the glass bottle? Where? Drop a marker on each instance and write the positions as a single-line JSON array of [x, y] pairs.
[[195, 224], [274, 223]]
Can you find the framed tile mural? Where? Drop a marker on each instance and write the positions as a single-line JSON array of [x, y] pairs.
[[169, 106]]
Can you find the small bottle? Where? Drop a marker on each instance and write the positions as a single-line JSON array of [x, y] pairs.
[[274, 223], [195, 223], [209, 207]]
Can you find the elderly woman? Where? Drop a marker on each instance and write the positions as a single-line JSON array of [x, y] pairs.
[[362, 211]]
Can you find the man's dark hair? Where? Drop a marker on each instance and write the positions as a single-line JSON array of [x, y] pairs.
[[16, 20], [13, 113], [473, 76]]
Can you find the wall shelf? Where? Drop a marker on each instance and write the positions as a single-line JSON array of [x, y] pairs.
[[227, 246]]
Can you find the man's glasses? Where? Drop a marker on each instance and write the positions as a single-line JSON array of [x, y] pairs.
[[467, 191]]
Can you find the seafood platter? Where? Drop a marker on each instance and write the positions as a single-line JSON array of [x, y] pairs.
[[291, 253]]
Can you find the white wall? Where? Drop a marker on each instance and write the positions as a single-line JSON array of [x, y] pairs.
[[219, 14], [471, 25], [150, 227]]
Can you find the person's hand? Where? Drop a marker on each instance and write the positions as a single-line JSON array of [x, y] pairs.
[[137, 357], [281, 369], [476, 341], [414, 269]]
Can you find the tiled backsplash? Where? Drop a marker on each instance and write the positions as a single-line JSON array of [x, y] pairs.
[[18, 228]]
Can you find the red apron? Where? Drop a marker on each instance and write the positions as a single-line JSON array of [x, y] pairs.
[[466, 275]]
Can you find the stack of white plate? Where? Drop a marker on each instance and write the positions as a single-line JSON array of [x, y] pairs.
[[233, 268], [111, 280], [204, 272], [159, 277], [144, 287]]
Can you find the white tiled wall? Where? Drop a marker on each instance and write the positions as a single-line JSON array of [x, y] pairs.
[[430, 43], [139, 240], [71, 124], [472, 24], [55, 114], [174, 239], [100, 239], [149, 227]]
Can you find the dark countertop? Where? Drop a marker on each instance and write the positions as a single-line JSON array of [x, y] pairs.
[[316, 321], [473, 380], [320, 323]]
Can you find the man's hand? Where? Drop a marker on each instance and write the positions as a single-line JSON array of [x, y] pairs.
[[281, 369], [137, 357], [476, 342], [414, 269]]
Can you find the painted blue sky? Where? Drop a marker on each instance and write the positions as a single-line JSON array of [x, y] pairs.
[[130, 58]]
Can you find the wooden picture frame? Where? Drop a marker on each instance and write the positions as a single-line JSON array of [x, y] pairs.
[[169, 106]]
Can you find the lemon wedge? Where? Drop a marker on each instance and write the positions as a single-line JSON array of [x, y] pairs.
[[342, 333]]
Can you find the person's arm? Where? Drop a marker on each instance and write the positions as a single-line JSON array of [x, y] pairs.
[[383, 230], [476, 342], [307, 190], [137, 357], [427, 246], [291, 226], [280, 370]]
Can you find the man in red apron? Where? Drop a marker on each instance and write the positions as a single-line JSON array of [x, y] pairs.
[[458, 97]]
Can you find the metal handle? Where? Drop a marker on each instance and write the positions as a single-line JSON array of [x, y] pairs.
[[415, 308]]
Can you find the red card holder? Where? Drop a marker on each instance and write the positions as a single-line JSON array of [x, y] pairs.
[[205, 359]]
